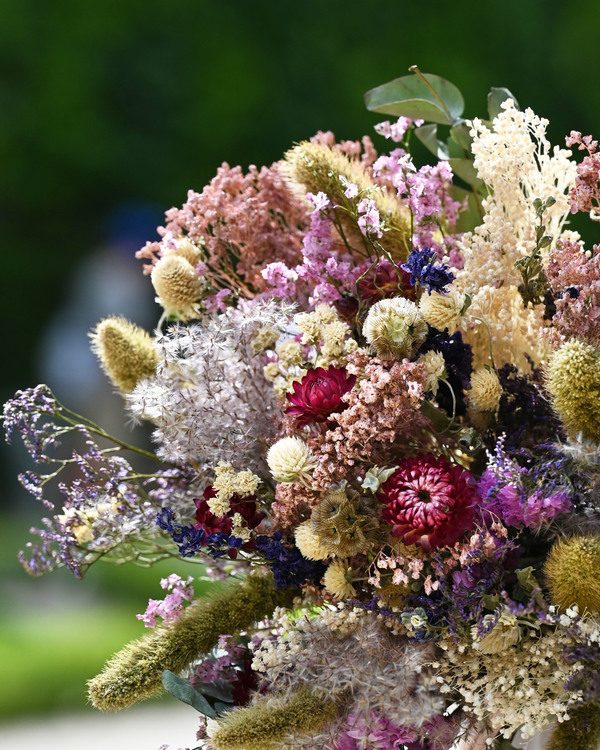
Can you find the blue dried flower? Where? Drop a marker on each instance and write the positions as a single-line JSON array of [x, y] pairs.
[[423, 270]]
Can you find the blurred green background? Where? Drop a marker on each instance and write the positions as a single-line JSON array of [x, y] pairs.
[[110, 112]]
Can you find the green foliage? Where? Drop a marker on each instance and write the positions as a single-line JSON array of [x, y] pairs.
[[183, 691]]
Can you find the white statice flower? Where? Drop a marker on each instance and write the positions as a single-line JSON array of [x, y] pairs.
[[209, 399], [518, 164], [290, 459], [395, 328]]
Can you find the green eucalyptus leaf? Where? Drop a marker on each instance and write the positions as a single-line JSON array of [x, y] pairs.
[[471, 217], [411, 97], [222, 708], [219, 690], [464, 169], [526, 579], [182, 690], [495, 99], [427, 134], [460, 134]]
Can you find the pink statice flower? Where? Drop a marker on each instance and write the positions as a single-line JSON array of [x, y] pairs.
[[585, 193], [396, 131], [369, 219], [172, 605], [429, 502]]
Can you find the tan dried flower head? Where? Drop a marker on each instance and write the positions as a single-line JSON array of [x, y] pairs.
[[188, 250], [290, 352], [126, 352], [504, 634], [309, 544], [395, 328], [345, 526], [571, 570], [264, 338], [443, 311], [435, 364], [178, 287], [338, 580], [573, 380], [485, 391], [290, 459]]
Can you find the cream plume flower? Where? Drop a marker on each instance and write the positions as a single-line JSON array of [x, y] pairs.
[[290, 459], [443, 311], [338, 580], [309, 544]]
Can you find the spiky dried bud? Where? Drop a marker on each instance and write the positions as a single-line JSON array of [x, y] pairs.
[[395, 328], [178, 287], [309, 544], [582, 731], [290, 459], [265, 724], [571, 570], [573, 381], [135, 672], [485, 391], [318, 168], [344, 526], [188, 250], [126, 352], [338, 580]]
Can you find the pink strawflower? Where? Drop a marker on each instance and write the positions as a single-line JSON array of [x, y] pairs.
[[429, 502], [319, 395]]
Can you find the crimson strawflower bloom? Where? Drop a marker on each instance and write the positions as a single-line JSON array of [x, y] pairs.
[[319, 394], [429, 502]]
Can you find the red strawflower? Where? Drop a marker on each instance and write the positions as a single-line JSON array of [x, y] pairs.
[[319, 394], [429, 502]]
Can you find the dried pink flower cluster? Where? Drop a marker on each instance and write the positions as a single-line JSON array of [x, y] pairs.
[[382, 416], [575, 280], [584, 195], [254, 218]]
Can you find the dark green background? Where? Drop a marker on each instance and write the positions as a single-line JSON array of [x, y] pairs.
[[109, 102]]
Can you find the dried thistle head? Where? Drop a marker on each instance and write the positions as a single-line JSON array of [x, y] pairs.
[[178, 287], [126, 352], [395, 328], [571, 570], [573, 381], [344, 526]]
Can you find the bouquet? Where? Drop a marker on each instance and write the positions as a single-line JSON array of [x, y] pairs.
[[375, 395]]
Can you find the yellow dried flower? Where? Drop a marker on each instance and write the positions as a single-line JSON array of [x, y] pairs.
[[264, 338], [290, 352], [265, 724], [318, 168], [443, 311], [573, 381], [272, 371], [310, 325], [571, 570], [290, 459], [395, 328], [309, 544], [325, 313], [178, 287], [504, 634], [485, 391], [338, 580], [126, 352]]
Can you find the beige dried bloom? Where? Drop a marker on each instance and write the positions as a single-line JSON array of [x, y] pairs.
[[290, 459], [126, 352], [443, 311], [178, 287], [264, 338], [325, 313], [338, 580], [190, 251], [505, 633], [512, 330], [290, 352], [309, 544], [272, 371], [485, 391], [334, 339], [395, 328], [435, 364]]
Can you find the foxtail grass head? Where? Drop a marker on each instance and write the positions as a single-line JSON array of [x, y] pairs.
[[178, 287], [126, 352], [571, 570], [573, 381]]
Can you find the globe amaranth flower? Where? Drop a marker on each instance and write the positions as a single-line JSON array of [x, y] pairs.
[[319, 394], [428, 501], [424, 271]]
